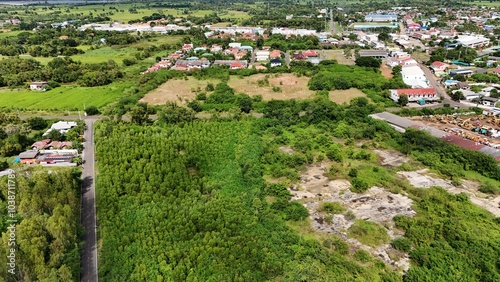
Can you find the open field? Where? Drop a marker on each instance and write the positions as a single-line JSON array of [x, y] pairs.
[[104, 54], [386, 71], [292, 87], [345, 96], [336, 55], [64, 97]]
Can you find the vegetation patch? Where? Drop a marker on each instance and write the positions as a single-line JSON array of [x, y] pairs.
[[368, 233]]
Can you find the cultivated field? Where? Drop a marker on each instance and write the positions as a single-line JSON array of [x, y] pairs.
[[64, 97], [336, 55]]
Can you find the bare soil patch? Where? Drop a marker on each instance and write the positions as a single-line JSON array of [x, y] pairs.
[[391, 158], [345, 96], [176, 90], [291, 86], [386, 71]]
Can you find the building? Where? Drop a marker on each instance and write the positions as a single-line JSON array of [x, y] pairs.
[[61, 126], [465, 72], [415, 94], [38, 85], [468, 94], [381, 18], [490, 102], [473, 41], [28, 157], [376, 54], [439, 68], [262, 55], [310, 53], [276, 62], [275, 54], [229, 63], [414, 76]]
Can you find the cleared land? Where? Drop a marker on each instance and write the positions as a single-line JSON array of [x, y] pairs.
[[292, 87], [386, 71], [345, 96], [336, 55], [64, 97]]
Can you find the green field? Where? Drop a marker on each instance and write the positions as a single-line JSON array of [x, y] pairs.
[[104, 54], [64, 97]]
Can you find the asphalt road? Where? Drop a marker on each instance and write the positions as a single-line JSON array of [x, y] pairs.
[[88, 214], [439, 88]]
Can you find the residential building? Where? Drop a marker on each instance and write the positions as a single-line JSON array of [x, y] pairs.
[[377, 54], [439, 68], [473, 41], [415, 95], [276, 62], [275, 54], [262, 55], [38, 85], [28, 157], [488, 101], [229, 63], [468, 94], [61, 126]]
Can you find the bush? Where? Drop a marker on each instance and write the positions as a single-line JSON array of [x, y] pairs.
[[358, 185], [489, 188], [335, 207], [403, 244], [92, 110], [362, 256], [296, 211], [368, 233]]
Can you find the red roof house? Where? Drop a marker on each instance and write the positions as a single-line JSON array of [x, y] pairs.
[[310, 53], [415, 94]]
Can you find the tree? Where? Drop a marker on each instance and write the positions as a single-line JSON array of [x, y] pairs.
[[396, 70], [92, 110], [403, 100], [139, 114], [384, 36], [37, 123], [457, 96], [368, 62]]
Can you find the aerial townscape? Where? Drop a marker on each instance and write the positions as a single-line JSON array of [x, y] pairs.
[[346, 140]]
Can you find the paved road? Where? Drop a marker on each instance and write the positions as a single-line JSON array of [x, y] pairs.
[[287, 58], [439, 88], [88, 214]]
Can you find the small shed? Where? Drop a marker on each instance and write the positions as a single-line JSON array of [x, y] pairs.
[[38, 85]]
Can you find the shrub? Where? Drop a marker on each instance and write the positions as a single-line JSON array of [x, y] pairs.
[[335, 207], [296, 211], [403, 244], [489, 188], [362, 256], [92, 110], [368, 233], [358, 185]]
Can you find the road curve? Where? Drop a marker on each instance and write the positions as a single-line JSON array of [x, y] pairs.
[[88, 262]]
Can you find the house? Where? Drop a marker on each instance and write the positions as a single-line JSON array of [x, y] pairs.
[[40, 145], [60, 145], [486, 91], [310, 53], [488, 101], [63, 37], [38, 85], [275, 54], [276, 62], [262, 55], [464, 72], [298, 57], [61, 126], [450, 83], [216, 48], [468, 95], [415, 94], [407, 62], [28, 157], [229, 63], [236, 66], [463, 85], [187, 47], [496, 71], [439, 68]]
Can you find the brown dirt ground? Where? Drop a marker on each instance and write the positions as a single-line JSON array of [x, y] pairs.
[[386, 71], [292, 87], [176, 90], [345, 96]]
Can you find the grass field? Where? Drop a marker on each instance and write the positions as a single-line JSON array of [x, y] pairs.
[[64, 97], [345, 96], [336, 55], [103, 54]]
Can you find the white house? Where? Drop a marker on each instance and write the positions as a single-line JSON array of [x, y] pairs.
[[61, 126], [38, 85]]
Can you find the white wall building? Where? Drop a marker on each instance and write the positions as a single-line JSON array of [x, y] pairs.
[[414, 76], [472, 41]]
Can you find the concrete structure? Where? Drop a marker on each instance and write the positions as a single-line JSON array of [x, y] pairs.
[[381, 17], [228, 63], [262, 55], [377, 54], [294, 31], [415, 94], [473, 41], [414, 76]]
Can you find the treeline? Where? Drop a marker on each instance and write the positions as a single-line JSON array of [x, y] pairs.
[[17, 72], [188, 202], [47, 210]]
